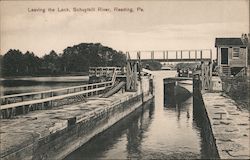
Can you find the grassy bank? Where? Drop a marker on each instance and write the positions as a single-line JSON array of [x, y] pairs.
[[238, 89]]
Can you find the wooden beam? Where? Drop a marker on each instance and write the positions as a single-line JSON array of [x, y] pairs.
[[211, 55], [139, 55], [195, 55]]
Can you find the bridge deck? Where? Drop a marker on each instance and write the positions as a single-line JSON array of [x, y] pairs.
[[174, 60]]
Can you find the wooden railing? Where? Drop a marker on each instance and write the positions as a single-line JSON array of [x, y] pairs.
[[44, 99], [204, 75], [171, 55], [14, 98], [101, 71]]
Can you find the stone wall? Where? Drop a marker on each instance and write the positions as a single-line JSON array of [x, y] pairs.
[[59, 144], [200, 115]]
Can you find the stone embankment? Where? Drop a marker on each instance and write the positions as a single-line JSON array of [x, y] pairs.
[[54, 133], [230, 126]]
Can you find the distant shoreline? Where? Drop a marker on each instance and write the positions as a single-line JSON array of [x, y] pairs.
[[47, 75]]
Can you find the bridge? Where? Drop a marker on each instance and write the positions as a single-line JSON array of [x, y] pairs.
[[171, 55]]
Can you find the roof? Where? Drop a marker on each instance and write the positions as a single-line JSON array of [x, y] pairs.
[[229, 42]]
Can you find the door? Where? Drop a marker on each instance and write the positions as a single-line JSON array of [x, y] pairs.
[[224, 55]]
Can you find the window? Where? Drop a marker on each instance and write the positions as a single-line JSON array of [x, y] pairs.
[[236, 52]]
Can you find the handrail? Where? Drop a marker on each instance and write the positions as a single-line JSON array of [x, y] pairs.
[[13, 105], [53, 90]]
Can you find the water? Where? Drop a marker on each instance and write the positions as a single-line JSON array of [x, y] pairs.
[[155, 132], [32, 84]]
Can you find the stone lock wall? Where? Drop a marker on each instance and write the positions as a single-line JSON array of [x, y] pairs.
[[201, 117], [60, 144]]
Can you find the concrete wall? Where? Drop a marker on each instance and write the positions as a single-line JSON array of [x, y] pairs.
[[201, 117]]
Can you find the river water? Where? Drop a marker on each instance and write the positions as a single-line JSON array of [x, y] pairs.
[[154, 132], [33, 84]]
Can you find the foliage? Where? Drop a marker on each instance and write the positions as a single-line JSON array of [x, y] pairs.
[[185, 66], [77, 58], [152, 65]]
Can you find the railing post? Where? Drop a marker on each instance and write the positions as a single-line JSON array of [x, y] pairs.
[[138, 55], [201, 54], [211, 56], [181, 54], [189, 54], [167, 54], [164, 55], [195, 55], [176, 54], [91, 93], [152, 54], [51, 102]]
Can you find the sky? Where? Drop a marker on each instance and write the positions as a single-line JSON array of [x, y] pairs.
[[153, 25]]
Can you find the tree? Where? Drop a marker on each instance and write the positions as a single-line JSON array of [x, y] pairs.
[[77, 58], [51, 62], [153, 65], [80, 57], [32, 63], [13, 62], [246, 39]]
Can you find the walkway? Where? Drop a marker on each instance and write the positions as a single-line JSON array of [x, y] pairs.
[[230, 126]]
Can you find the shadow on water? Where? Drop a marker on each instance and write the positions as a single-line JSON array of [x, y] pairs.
[[121, 140], [208, 147], [151, 132], [175, 95]]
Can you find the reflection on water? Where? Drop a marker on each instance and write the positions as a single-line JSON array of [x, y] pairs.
[[155, 132], [32, 84]]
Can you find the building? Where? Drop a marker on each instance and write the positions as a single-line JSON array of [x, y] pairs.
[[232, 55]]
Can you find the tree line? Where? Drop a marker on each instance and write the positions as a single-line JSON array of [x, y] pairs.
[[75, 59]]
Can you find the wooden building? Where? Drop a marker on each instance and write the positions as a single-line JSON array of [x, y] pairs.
[[232, 55]]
